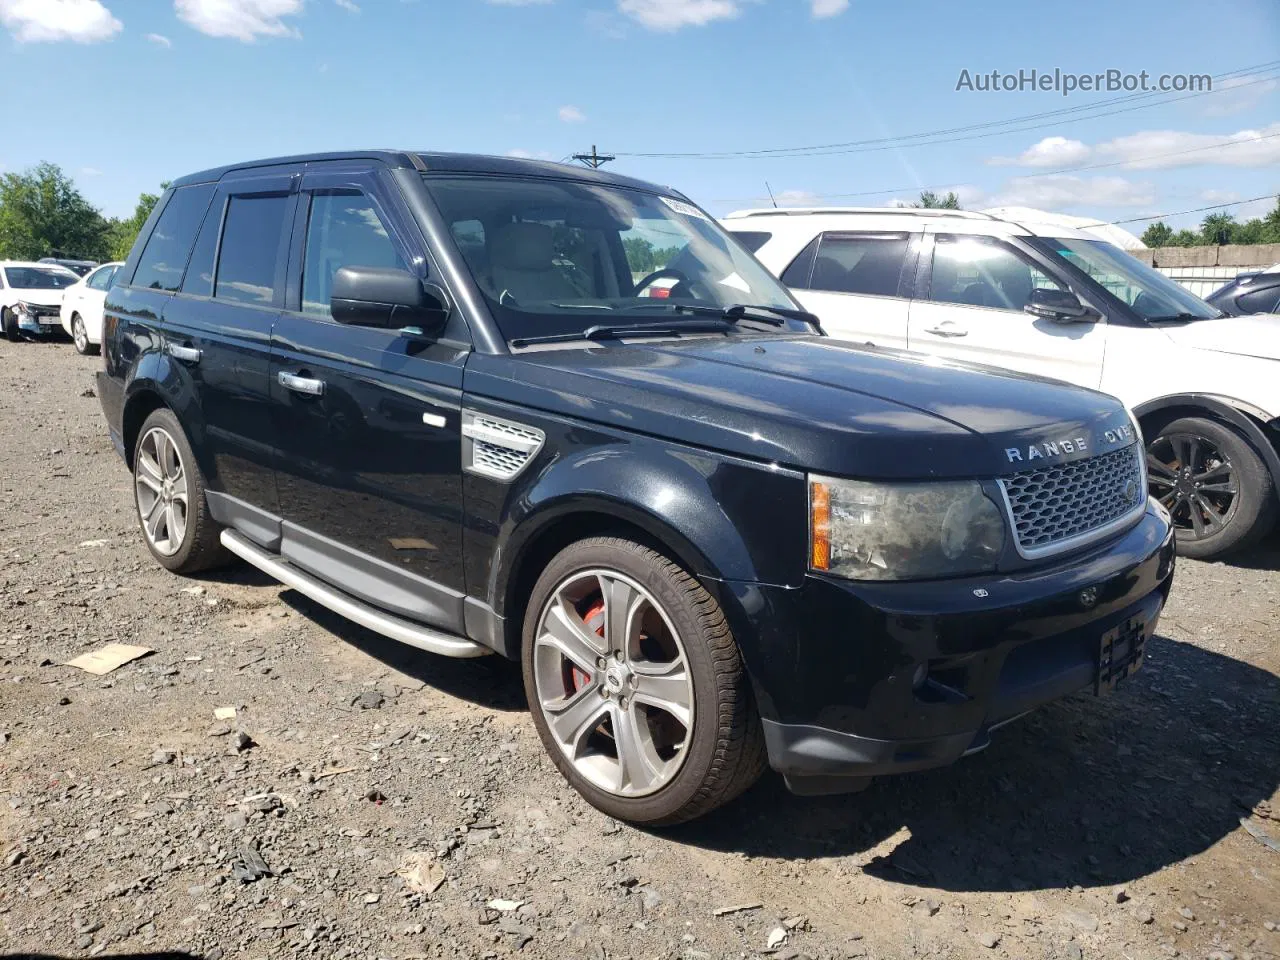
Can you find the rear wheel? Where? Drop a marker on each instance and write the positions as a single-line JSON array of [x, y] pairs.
[[81, 336], [637, 686], [10, 324], [1214, 485], [169, 492]]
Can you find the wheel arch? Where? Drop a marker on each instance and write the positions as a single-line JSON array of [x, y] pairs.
[[142, 402], [1252, 422]]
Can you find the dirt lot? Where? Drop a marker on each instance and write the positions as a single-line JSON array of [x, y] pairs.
[[131, 820]]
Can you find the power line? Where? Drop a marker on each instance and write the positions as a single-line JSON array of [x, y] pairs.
[[1044, 173], [1178, 213], [985, 129]]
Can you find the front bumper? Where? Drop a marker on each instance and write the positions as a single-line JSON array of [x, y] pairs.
[[856, 680], [42, 324]]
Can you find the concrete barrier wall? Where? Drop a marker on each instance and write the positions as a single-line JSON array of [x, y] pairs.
[[1204, 269]]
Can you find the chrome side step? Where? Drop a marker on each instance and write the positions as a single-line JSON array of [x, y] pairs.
[[414, 634]]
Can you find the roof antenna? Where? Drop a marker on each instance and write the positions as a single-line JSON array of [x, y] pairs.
[[770, 189]]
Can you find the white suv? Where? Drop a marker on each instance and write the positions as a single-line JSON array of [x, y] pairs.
[[1065, 304]]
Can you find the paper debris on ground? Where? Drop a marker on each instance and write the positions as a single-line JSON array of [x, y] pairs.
[[108, 658], [421, 873], [505, 906], [224, 713]]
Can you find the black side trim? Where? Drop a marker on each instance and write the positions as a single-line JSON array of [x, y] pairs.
[[258, 525], [375, 581]]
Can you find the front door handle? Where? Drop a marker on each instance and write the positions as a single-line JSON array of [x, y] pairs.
[[947, 329], [185, 354], [303, 385]]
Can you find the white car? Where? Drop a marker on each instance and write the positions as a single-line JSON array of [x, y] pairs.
[[82, 307], [1059, 303], [31, 296]]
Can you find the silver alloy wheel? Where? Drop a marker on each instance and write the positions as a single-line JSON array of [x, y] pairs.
[[160, 486], [613, 683], [78, 333]]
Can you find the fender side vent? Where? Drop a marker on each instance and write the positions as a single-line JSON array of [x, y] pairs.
[[498, 449]]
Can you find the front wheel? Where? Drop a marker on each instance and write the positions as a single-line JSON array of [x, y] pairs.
[[637, 686], [81, 336], [1214, 485], [10, 324]]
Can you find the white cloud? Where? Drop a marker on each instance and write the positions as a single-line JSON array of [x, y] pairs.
[[571, 114], [1058, 191], [243, 20], [159, 39], [348, 5], [1049, 152], [1238, 94], [1157, 150], [48, 21], [1150, 149], [822, 9], [671, 15]]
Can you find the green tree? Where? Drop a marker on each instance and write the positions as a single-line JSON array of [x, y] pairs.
[[931, 201], [1158, 234], [1186, 238], [1218, 228], [1271, 225], [123, 233], [43, 214]]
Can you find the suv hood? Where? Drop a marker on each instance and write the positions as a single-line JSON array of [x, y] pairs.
[[1256, 335], [813, 403]]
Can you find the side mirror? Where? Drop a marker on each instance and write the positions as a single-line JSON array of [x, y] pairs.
[[389, 298], [1060, 306]]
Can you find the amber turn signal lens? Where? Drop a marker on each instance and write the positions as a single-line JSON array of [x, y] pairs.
[[820, 525]]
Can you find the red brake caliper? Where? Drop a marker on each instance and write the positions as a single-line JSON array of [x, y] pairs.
[[594, 619]]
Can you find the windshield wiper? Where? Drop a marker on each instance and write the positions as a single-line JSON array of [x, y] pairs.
[[1181, 318], [602, 331], [735, 312]]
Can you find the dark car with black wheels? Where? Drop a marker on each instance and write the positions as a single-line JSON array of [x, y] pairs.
[[439, 394]]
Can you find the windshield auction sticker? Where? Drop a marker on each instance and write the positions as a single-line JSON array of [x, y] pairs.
[[688, 209]]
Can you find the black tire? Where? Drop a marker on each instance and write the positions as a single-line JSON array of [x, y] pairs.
[[200, 547], [1211, 525], [10, 324], [89, 349], [725, 752]]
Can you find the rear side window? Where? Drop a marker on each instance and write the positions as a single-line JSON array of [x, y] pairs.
[[797, 273], [250, 251], [753, 240], [1260, 301], [164, 258], [344, 230], [869, 264]]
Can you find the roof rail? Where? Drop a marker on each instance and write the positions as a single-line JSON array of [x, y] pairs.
[[879, 211]]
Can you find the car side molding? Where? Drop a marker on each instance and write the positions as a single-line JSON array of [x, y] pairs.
[[415, 635]]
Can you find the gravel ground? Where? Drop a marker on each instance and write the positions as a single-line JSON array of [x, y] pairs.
[[367, 800]]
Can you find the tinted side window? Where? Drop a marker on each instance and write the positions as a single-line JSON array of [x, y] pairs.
[[860, 264], [1260, 301], [753, 240], [797, 273], [164, 258], [343, 230], [250, 249], [978, 272], [198, 280]]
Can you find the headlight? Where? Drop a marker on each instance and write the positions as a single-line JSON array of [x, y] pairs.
[[24, 308], [902, 531]]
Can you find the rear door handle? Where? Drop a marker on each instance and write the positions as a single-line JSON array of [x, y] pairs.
[[303, 385], [947, 329], [185, 354]]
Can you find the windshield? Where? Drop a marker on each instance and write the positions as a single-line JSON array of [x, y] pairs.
[[556, 257], [1150, 294], [38, 278]]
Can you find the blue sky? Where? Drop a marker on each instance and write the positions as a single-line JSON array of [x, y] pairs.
[[127, 93]]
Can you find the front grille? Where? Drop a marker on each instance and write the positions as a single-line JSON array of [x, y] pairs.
[[1054, 507]]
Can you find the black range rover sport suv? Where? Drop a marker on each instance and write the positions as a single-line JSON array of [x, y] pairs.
[[487, 405]]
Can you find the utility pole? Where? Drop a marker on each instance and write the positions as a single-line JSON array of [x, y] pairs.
[[593, 160]]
